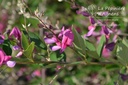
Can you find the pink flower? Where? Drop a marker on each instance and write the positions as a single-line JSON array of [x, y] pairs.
[[66, 38], [58, 67], [91, 29], [54, 48], [49, 40], [3, 57], [11, 64], [19, 54], [15, 33], [106, 53], [61, 33], [107, 49]]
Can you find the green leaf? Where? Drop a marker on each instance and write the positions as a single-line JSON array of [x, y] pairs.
[[89, 45], [53, 56], [79, 41], [125, 42], [101, 45], [122, 53], [24, 41], [92, 54], [57, 56], [38, 42], [28, 52], [91, 49], [76, 47]]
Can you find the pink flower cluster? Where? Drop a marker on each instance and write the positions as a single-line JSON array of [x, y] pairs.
[[105, 30], [63, 40], [15, 33], [6, 59]]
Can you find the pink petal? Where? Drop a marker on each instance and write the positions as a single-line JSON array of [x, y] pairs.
[[7, 58], [90, 32], [106, 53], [49, 40], [54, 48], [2, 56], [36, 73], [19, 54], [11, 64], [16, 33], [2, 36], [70, 39], [69, 42], [64, 39], [64, 43], [63, 47], [61, 33], [67, 39], [91, 27]]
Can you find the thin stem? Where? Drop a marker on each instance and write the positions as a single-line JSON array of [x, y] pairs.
[[54, 78], [67, 63], [46, 62]]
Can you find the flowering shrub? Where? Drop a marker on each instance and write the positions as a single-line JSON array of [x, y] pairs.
[[33, 51]]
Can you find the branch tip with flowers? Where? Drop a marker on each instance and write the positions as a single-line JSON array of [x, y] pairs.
[[100, 44]]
